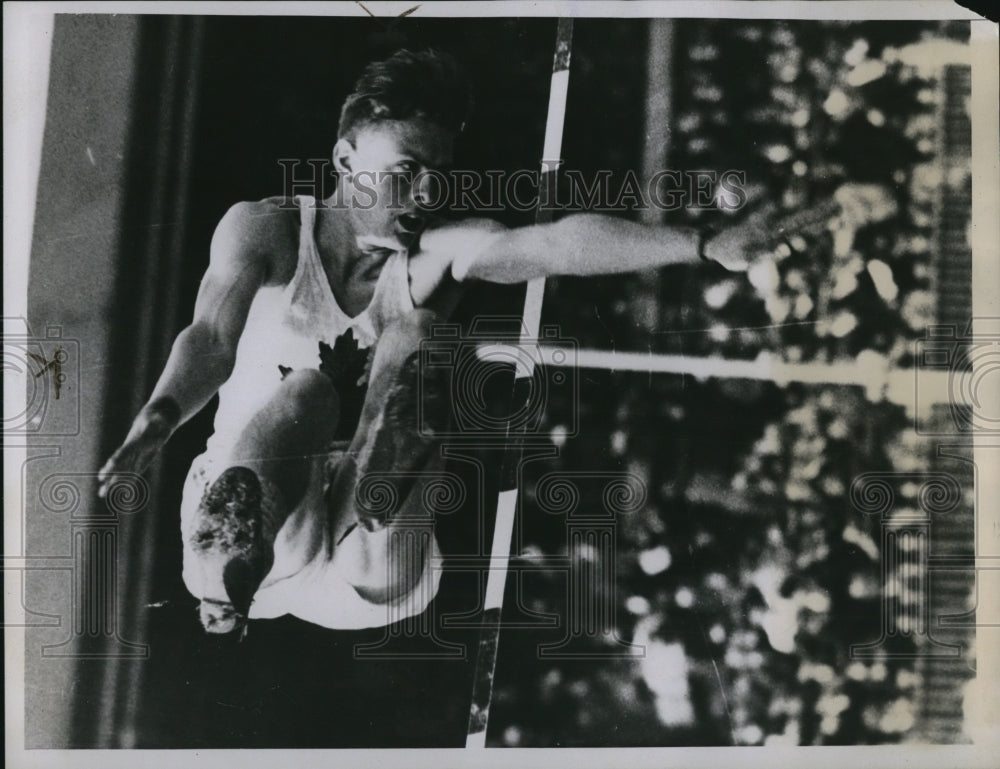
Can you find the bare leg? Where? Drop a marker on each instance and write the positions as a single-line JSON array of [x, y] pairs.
[[281, 439], [388, 445], [240, 515]]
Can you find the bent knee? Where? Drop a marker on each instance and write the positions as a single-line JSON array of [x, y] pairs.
[[381, 566], [310, 394]]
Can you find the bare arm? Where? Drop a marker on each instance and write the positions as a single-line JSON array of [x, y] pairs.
[[596, 244], [579, 244], [202, 356]]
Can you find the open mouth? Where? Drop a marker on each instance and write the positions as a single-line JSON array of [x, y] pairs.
[[410, 223]]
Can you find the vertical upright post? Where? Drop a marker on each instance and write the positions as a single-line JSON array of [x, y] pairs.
[[486, 654], [659, 107]]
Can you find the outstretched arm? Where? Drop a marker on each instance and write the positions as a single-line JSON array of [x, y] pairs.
[[597, 244], [202, 356], [580, 244]]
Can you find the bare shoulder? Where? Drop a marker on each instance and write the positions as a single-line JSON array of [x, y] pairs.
[[262, 232], [443, 246], [470, 224], [447, 240], [456, 244]]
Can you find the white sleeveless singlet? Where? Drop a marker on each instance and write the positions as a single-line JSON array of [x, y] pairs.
[[286, 323], [284, 327]]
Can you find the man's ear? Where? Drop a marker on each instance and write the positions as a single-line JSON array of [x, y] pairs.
[[343, 156]]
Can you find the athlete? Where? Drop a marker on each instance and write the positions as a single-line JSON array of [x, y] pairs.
[[307, 323]]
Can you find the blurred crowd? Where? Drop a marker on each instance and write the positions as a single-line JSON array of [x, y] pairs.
[[743, 581]]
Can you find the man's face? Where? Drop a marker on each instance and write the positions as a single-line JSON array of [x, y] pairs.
[[384, 162]]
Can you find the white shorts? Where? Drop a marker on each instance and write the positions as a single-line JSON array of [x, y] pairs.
[[309, 577]]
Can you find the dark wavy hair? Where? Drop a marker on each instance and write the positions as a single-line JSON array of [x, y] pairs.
[[426, 84]]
